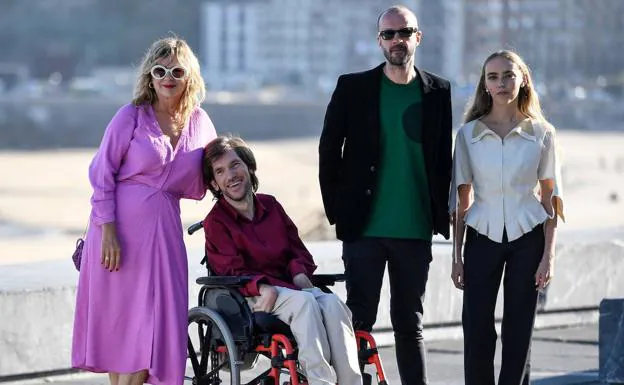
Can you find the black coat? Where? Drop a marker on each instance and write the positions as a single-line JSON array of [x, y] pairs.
[[349, 150]]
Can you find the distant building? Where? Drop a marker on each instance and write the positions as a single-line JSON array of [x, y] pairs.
[[247, 44], [442, 25], [304, 43], [568, 40], [308, 43], [229, 43], [599, 46]]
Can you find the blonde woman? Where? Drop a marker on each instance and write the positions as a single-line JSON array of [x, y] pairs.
[[132, 302], [506, 157]]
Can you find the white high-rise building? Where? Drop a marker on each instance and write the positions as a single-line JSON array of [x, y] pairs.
[[299, 42], [441, 48], [230, 43]]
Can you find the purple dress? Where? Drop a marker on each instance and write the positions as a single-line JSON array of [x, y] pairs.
[[136, 318]]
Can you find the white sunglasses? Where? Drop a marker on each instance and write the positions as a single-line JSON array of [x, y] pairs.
[[159, 72]]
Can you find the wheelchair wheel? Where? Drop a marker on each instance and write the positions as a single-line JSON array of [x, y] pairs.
[[211, 349]]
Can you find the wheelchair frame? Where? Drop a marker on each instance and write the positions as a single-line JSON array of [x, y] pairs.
[[228, 339]]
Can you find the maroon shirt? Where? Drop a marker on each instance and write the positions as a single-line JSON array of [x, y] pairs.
[[268, 248]]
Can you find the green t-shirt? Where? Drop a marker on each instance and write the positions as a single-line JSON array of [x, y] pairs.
[[401, 204]]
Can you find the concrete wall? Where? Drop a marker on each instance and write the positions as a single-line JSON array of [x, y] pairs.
[[37, 300]]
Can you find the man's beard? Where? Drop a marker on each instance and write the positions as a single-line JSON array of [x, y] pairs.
[[398, 56], [242, 197]]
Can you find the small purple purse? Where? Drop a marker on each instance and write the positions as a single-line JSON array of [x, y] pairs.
[[77, 256]]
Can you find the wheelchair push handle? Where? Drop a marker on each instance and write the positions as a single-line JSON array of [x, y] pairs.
[[194, 227]]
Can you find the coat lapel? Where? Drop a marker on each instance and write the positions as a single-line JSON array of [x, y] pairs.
[[375, 102], [429, 111], [429, 124]]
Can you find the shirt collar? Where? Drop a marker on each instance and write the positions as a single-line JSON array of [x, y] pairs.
[[259, 209], [524, 129]]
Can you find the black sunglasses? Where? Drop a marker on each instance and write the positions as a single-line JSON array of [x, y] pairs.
[[389, 34]]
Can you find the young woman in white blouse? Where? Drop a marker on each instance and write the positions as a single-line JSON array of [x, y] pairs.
[[505, 199]]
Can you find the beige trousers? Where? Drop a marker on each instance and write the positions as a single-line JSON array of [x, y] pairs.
[[321, 324]]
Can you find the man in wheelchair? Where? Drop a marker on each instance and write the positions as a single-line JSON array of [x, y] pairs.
[[249, 234]]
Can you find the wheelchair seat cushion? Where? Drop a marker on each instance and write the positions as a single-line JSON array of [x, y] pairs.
[[269, 323]]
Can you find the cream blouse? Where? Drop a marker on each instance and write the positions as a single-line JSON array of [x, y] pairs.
[[504, 174]]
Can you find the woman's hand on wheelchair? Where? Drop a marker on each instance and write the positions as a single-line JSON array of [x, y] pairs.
[[267, 298], [302, 281]]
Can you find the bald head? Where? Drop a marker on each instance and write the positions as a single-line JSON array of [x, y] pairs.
[[398, 35], [396, 10]]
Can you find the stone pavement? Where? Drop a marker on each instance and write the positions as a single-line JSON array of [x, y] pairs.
[[559, 357]]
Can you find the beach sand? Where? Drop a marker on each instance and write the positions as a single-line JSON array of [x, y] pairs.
[[44, 196]]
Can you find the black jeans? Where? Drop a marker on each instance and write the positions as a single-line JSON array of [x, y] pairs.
[[408, 269], [484, 263]]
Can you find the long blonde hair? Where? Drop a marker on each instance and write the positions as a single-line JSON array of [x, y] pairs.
[[195, 91], [528, 101]]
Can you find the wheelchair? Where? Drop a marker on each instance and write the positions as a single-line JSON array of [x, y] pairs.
[[226, 337]]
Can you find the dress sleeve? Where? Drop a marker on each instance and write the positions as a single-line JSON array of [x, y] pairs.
[[224, 258], [462, 171], [550, 168], [107, 161], [301, 260], [205, 132]]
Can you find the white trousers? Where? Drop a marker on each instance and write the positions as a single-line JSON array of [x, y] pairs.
[[321, 324]]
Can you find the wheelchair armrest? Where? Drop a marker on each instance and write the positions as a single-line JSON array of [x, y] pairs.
[[223, 281], [327, 279], [194, 227]]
